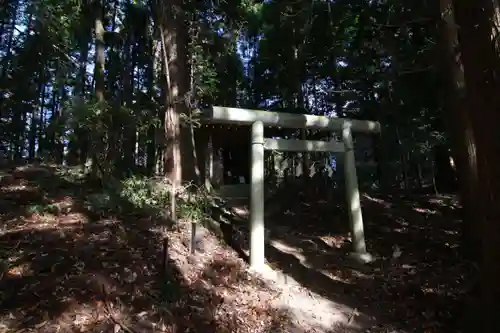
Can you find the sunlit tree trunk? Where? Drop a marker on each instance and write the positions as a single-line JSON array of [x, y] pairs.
[[100, 56], [98, 147], [175, 41]]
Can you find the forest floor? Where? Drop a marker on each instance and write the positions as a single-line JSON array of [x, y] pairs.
[[67, 268]]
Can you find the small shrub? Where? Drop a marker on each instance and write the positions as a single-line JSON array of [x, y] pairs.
[[141, 193], [102, 203], [42, 209], [152, 196], [194, 203]]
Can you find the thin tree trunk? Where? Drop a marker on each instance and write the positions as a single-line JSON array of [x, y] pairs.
[[78, 146], [59, 132], [42, 139], [418, 170], [403, 160], [100, 54], [35, 123], [8, 55], [99, 147], [129, 130], [151, 134]]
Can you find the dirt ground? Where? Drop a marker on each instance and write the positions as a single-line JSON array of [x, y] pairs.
[[66, 268], [417, 283]]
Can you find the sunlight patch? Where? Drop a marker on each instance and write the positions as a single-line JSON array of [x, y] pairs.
[[425, 211], [19, 271], [379, 201], [333, 241]]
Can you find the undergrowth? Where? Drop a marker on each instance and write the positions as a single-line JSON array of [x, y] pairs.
[[134, 195], [151, 196]]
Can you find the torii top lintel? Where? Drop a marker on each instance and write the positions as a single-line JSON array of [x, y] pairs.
[[237, 116]]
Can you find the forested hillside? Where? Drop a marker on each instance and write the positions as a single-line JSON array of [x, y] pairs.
[[111, 94], [87, 80]]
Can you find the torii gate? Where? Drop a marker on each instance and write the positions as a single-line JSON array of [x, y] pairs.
[[258, 119]]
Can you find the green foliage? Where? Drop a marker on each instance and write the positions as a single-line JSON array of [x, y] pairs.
[[139, 194], [42, 209], [103, 204], [195, 204], [372, 60], [142, 193], [192, 118]]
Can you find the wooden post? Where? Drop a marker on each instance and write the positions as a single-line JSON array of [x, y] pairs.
[[353, 198], [257, 234]]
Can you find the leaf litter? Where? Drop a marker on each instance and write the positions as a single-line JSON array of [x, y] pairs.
[[68, 271]]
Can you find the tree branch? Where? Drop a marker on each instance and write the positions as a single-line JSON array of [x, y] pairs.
[[57, 48]]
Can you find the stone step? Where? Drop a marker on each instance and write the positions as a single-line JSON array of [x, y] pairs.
[[238, 191]]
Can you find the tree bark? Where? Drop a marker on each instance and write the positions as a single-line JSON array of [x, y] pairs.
[[175, 41], [481, 69], [99, 53], [461, 128], [128, 126], [96, 138]]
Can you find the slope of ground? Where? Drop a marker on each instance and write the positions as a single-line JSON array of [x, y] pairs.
[[416, 285], [67, 266]]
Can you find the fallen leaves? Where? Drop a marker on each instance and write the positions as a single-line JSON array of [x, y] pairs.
[[68, 272]]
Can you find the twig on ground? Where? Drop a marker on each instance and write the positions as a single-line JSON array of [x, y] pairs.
[[111, 317], [351, 317]]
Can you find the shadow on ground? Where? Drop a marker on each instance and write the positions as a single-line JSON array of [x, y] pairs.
[[67, 268], [418, 282]]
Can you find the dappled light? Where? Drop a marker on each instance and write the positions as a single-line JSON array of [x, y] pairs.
[[418, 274], [106, 263], [293, 166], [73, 270]]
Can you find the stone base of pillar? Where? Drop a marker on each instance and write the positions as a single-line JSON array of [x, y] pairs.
[[362, 258]]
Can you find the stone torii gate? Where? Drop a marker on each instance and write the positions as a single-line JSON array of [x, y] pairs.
[[258, 119]]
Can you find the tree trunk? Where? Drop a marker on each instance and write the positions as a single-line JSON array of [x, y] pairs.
[[481, 69], [42, 139], [175, 41], [403, 160], [128, 126], [415, 162], [36, 118], [151, 134], [99, 53], [59, 153], [78, 145], [98, 142], [460, 127], [8, 47]]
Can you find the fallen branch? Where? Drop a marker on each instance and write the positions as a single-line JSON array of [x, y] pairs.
[[111, 317]]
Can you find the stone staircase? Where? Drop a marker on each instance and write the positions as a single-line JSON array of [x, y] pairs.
[[233, 201], [238, 192]]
